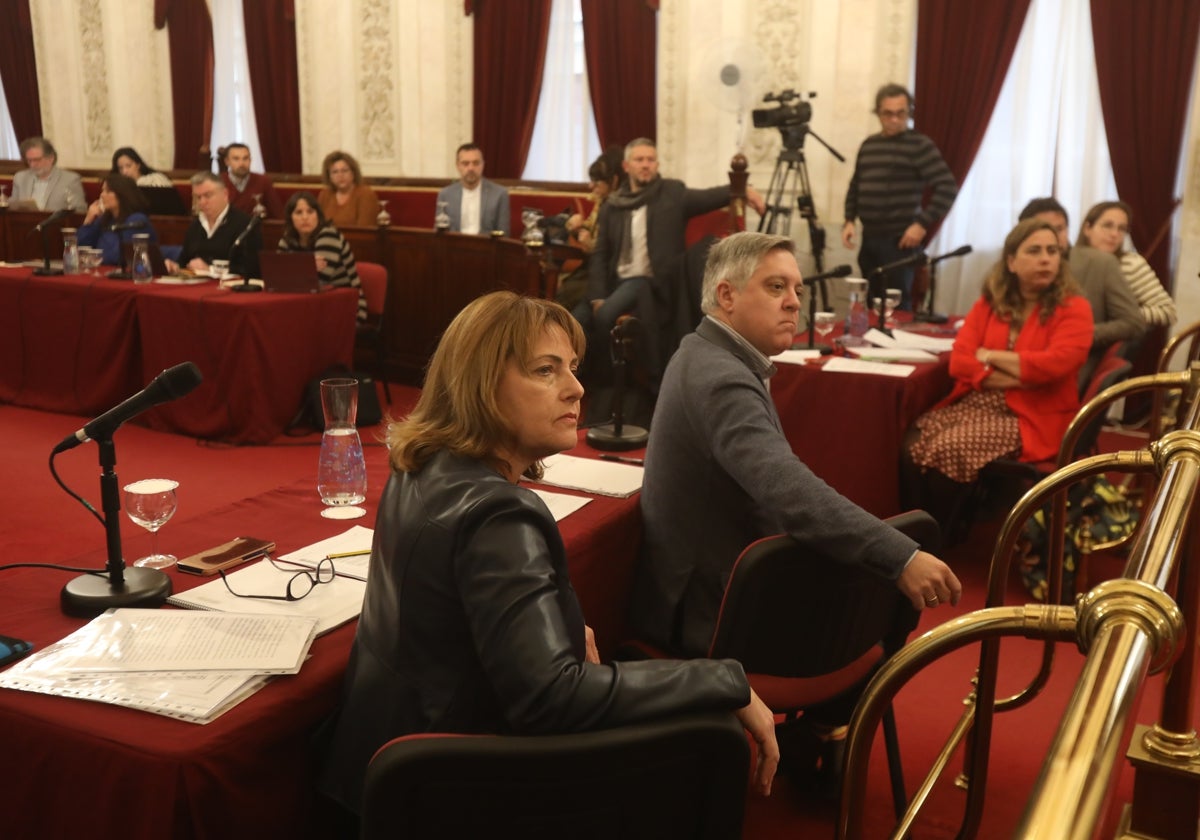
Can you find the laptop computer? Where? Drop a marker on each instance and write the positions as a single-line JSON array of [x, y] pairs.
[[292, 271]]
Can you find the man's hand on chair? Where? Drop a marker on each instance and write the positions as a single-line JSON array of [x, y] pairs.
[[928, 582]]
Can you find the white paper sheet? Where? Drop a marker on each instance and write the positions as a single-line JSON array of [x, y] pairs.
[[840, 364], [796, 357], [560, 504], [357, 538], [604, 478]]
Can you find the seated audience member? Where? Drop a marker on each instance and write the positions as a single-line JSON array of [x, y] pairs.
[[475, 204], [470, 623], [1115, 312], [247, 189], [1015, 365], [43, 183], [345, 200], [120, 204], [126, 161], [720, 474], [215, 231], [605, 176], [305, 229], [1105, 228]]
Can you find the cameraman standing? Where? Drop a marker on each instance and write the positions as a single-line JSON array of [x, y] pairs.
[[892, 171]]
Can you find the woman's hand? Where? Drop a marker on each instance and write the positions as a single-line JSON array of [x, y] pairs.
[[760, 723], [94, 211]]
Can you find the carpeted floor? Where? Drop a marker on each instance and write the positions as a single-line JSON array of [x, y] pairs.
[[43, 524]]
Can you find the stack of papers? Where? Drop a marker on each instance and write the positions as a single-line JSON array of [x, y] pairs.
[[911, 340], [840, 364], [190, 666], [796, 357], [604, 478]]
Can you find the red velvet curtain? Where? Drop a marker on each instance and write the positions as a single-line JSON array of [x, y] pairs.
[[963, 53], [1145, 55], [189, 31], [619, 38], [18, 70], [510, 55], [271, 34]]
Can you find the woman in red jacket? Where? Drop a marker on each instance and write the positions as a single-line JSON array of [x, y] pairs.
[[1015, 365]]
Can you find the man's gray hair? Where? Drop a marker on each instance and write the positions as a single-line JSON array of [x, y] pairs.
[[735, 258], [638, 141], [200, 177]]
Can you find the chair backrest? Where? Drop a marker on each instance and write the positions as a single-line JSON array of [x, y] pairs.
[[374, 280], [1109, 371], [792, 612], [682, 777]]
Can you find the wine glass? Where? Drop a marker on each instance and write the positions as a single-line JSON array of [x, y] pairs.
[[259, 209], [383, 218], [150, 503], [891, 301], [823, 323]]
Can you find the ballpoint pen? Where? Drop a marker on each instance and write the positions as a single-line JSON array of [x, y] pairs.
[[347, 554], [637, 462]]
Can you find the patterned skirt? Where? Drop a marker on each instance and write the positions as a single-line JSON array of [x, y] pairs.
[[959, 439]]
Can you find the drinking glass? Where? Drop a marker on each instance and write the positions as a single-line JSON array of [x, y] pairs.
[[150, 503], [89, 260], [823, 323], [891, 301]]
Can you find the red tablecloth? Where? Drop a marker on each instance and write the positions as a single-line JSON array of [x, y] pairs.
[[80, 345], [80, 769], [848, 427]]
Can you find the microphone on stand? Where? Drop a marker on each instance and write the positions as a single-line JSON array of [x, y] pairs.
[[41, 227], [53, 218], [839, 271], [171, 384], [89, 594], [617, 435], [877, 276], [929, 316], [245, 285]]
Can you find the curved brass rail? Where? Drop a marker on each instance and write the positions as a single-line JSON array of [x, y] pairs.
[[1128, 627]]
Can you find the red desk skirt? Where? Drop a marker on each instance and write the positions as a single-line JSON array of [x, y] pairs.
[[82, 769]]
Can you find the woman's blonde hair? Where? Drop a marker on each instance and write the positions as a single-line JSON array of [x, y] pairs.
[[1001, 288], [457, 409]]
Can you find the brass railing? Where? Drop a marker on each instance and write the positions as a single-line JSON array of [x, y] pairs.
[[1128, 627]]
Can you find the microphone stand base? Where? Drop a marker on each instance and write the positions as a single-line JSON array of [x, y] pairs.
[[607, 438], [931, 317], [89, 595], [47, 272], [245, 287]]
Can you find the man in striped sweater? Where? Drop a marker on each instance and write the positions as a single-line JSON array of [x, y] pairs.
[[890, 176]]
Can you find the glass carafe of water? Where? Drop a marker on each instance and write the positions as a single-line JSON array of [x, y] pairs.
[[857, 319], [342, 469], [140, 268]]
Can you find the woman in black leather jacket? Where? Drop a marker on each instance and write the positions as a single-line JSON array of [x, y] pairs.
[[470, 623]]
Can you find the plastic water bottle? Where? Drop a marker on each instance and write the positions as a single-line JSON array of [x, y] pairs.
[[342, 468], [70, 251]]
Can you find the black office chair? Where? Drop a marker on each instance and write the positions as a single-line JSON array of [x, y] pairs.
[[807, 630], [682, 777]]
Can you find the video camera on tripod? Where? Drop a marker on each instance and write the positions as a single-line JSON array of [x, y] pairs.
[[791, 120]]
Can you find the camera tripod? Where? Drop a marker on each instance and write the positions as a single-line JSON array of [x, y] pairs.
[[791, 178]]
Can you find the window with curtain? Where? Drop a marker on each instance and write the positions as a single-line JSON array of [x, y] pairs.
[[10, 148], [1046, 137], [233, 101], [565, 141]]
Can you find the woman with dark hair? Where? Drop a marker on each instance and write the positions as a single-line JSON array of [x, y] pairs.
[[470, 623], [1015, 365], [345, 199], [1106, 228], [120, 203], [605, 175], [306, 229], [126, 161]]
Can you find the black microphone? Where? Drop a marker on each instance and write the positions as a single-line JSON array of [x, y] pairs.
[[840, 271], [912, 260], [171, 384], [56, 216], [255, 219], [138, 225], [960, 251]]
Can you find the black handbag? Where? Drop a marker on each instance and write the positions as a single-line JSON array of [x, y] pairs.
[[310, 415]]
